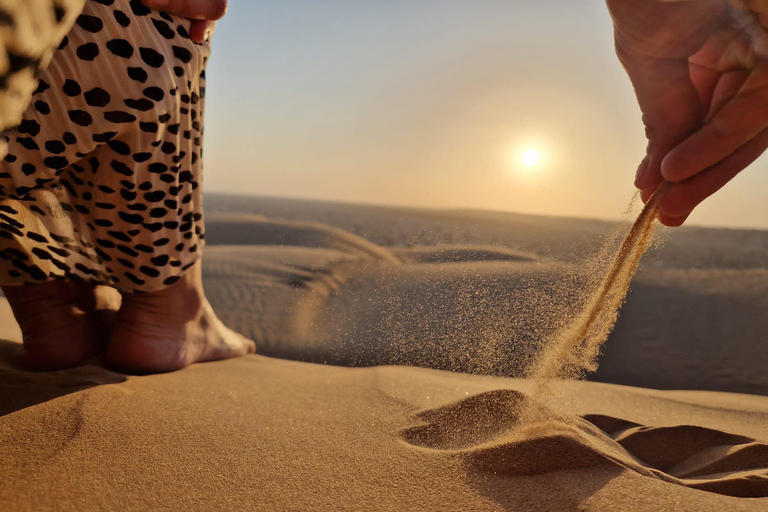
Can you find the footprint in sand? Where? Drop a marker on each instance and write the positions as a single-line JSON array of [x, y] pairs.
[[504, 432]]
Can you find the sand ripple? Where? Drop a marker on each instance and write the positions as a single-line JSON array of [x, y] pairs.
[[504, 432]]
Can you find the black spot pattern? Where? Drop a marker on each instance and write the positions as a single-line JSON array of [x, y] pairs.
[[88, 51], [121, 48], [107, 156], [152, 57], [71, 88], [97, 97], [29, 37]]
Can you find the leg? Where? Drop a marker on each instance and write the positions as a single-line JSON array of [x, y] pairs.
[[63, 324], [171, 329], [102, 183]]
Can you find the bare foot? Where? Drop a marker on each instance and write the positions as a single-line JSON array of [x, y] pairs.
[[170, 329], [63, 324]]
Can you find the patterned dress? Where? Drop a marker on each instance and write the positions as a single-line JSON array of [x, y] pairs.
[[30, 30], [102, 178]]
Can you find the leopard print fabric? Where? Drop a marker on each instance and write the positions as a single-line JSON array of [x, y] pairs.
[[101, 182], [30, 30]]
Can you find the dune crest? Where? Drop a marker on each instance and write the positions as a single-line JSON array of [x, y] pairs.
[[506, 432], [245, 229], [697, 457], [461, 253], [481, 294]]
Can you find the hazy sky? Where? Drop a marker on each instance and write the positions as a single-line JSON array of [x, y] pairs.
[[430, 103]]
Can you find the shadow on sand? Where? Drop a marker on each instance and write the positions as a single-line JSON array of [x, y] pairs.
[[20, 388]]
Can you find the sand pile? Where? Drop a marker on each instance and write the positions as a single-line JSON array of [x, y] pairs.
[[506, 432]]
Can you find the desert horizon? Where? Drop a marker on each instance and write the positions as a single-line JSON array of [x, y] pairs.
[[618, 218]]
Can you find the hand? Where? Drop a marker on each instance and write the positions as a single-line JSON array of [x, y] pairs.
[[204, 14], [700, 74]]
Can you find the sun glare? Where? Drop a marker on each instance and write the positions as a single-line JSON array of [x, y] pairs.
[[530, 157]]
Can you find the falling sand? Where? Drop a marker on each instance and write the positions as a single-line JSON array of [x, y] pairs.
[[574, 349]]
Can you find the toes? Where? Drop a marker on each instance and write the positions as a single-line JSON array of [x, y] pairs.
[[231, 344]]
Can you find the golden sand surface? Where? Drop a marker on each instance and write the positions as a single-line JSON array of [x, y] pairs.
[[265, 434], [262, 433]]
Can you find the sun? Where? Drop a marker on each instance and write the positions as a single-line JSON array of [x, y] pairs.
[[530, 157]]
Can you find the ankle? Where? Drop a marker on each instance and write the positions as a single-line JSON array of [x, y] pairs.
[[182, 301]]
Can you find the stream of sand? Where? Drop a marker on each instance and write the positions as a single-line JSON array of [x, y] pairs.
[[574, 350]]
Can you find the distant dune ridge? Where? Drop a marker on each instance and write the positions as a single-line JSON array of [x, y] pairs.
[[695, 326], [563, 239], [465, 291]]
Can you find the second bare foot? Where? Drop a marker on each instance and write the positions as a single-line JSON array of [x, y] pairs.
[[171, 329]]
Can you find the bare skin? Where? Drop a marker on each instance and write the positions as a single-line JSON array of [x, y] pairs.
[[700, 72], [170, 329], [204, 14], [66, 324], [63, 324]]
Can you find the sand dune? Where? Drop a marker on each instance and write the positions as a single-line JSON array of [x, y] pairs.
[[477, 308], [563, 239], [461, 253], [243, 229], [264, 434], [260, 433]]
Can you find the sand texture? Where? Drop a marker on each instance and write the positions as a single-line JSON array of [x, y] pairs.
[[473, 292], [264, 434], [404, 430]]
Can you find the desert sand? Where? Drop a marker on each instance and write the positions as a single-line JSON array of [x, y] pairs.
[[392, 346]]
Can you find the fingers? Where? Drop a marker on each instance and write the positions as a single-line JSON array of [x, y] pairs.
[[193, 9], [646, 194], [720, 68], [671, 108], [737, 122], [672, 222], [681, 198], [201, 30], [726, 89], [704, 81], [644, 180]]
